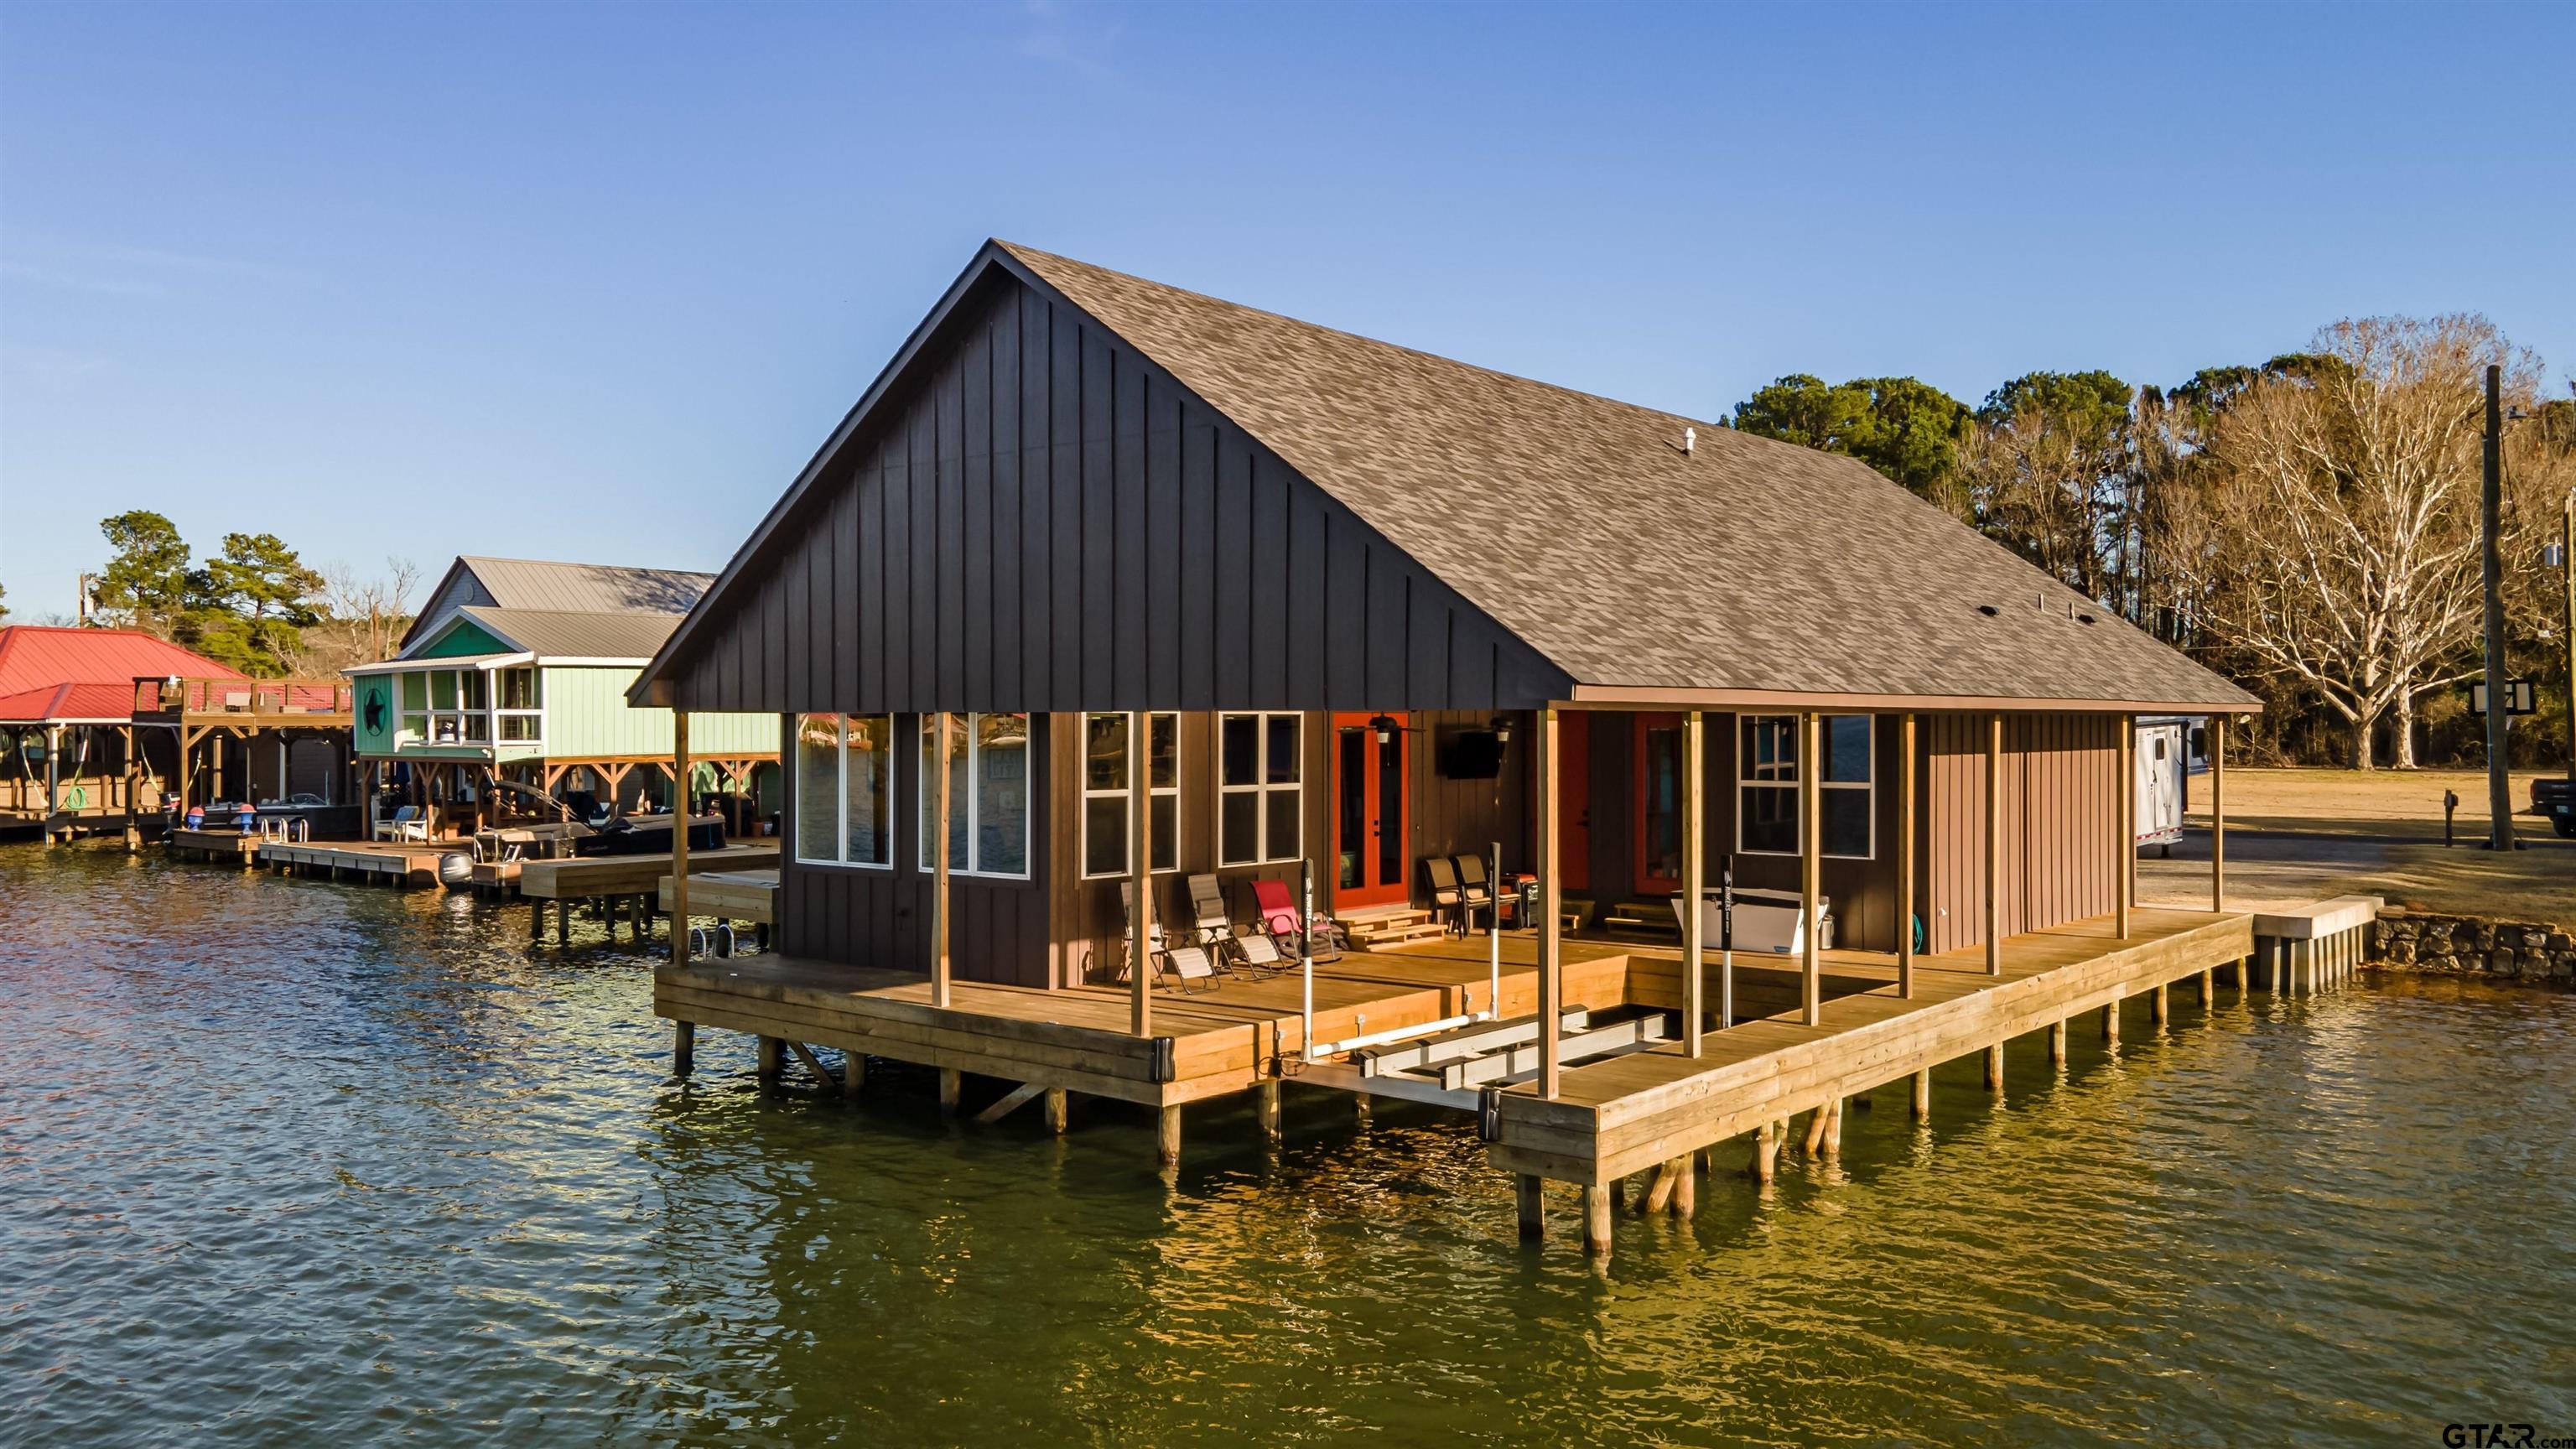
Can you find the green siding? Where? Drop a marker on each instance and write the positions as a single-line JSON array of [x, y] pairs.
[[463, 637], [587, 715], [382, 689]]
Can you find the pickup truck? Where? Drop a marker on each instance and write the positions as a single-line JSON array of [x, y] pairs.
[[2555, 800]]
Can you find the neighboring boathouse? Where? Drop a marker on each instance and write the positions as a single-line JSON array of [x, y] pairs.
[[1292, 604], [515, 672]]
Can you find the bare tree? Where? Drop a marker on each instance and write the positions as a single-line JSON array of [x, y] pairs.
[[364, 617], [2338, 539]]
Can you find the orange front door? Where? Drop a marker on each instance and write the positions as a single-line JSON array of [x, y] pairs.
[[1657, 761], [1371, 818], [1574, 799]]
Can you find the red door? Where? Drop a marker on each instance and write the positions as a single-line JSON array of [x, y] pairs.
[[1657, 764], [1574, 799], [1371, 811]]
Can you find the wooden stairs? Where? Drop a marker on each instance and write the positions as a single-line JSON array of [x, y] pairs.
[[1373, 926]]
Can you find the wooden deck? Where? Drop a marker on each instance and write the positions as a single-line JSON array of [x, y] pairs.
[[729, 895], [1621, 1116], [217, 845], [409, 862], [590, 876]]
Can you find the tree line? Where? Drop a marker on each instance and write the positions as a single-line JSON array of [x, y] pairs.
[[254, 605], [2309, 526]]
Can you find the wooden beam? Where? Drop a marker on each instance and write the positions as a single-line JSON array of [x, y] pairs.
[[2124, 829], [679, 849], [1694, 876], [2218, 812], [1994, 844], [1905, 831], [1012, 1101], [939, 872], [1140, 875], [813, 1063], [1811, 846], [1551, 925]]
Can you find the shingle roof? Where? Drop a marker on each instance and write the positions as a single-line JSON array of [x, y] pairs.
[[1579, 523], [99, 666], [576, 634]]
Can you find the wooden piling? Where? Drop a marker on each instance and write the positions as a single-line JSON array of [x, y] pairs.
[[1596, 1221], [1815, 1143], [1685, 1191], [1530, 1202], [684, 1047], [2057, 1042], [1834, 1129], [952, 1089], [1766, 1153], [1167, 1137], [1057, 1109], [773, 1055], [2111, 1024], [854, 1071], [2157, 1005], [2208, 988], [1922, 1103]]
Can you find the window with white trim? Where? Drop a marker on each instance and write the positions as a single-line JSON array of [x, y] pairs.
[[1108, 796], [1260, 762], [845, 789], [988, 795], [1766, 793]]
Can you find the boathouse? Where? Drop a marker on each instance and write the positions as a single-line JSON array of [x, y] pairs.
[[515, 673], [1295, 606]]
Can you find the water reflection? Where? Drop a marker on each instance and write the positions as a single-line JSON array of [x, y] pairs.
[[291, 1161]]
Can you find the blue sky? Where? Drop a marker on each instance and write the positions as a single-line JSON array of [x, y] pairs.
[[593, 282]]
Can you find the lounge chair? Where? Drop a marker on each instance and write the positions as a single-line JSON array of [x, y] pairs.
[[1183, 964], [1475, 887], [407, 824], [1287, 927], [1252, 953], [1440, 879]]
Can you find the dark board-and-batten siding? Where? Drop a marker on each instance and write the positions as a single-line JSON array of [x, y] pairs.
[[998, 928], [1036, 517]]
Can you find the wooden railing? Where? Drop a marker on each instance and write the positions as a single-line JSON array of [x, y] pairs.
[[260, 698]]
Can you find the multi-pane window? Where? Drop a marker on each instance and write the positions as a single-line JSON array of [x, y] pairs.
[[415, 707], [1766, 814], [1259, 759], [1108, 795], [988, 794], [845, 789], [518, 705]]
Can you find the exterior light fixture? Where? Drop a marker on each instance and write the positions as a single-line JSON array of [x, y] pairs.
[[1502, 728], [1386, 727]]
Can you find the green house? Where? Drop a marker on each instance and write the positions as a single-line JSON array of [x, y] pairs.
[[512, 683]]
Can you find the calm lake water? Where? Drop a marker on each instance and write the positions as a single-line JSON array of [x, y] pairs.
[[283, 1161]]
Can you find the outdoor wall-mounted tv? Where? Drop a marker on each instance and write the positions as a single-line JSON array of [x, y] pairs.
[[1472, 755]]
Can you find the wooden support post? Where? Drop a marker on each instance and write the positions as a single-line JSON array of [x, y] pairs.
[[2057, 1042], [1834, 1129], [2157, 1007], [1265, 1108], [1685, 1191], [2208, 987], [1009, 1102], [1551, 928], [1596, 1221], [1811, 838], [1167, 1137], [1922, 1095], [1694, 878], [812, 1063], [952, 1090], [2124, 842], [1658, 1196], [1058, 1110], [2218, 812], [939, 879], [563, 923], [2111, 1023], [773, 1055], [1529, 1203], [1140, 877], [1360, 1109], [1995, 1067], [1766, 1152], [854, 1070], [684, 1047], [1815, 1142], [536, 920], [1994, 844], [679, 839], [1905, 831]]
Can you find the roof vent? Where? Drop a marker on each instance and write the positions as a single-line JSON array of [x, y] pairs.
[[1988, 610], [2083, 618], [1690, 440]]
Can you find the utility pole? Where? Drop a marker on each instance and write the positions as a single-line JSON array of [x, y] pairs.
[[2567, 616], [2499, 702]]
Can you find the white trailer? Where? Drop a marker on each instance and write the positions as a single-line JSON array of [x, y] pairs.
[[2171, 749]]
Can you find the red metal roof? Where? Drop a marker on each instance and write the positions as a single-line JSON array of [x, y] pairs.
[[85, 674]]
